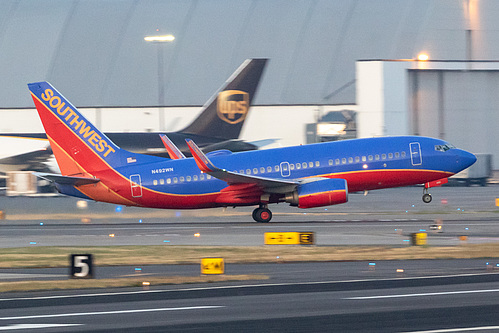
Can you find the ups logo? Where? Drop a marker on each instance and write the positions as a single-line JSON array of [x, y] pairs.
[[232, 106]]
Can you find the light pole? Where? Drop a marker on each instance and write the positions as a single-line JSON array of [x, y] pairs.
[[159, 41]]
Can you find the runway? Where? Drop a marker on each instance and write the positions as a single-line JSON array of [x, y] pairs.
[[385, 217], [428, 296], [394, 233], [465, 301]]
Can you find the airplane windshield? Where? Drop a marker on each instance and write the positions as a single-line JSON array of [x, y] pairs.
[[445, 147]]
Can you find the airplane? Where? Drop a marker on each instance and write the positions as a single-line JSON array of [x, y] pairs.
[[217, 127], [307, 176]]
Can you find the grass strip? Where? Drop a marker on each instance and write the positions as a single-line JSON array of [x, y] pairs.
[[153, 255], [121, 282]]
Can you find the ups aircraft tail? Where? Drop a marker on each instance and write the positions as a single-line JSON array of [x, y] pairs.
[[223, 114], [79, 147]]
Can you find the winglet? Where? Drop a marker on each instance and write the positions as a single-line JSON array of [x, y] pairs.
[[202, 161], [173, 151]]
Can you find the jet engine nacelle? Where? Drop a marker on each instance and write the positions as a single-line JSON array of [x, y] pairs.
[[319, 193]]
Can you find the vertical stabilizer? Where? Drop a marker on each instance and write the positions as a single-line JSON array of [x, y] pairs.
[[78, 146], [224, 113]]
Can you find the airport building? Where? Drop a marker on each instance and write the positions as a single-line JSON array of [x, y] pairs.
[[334, 55]]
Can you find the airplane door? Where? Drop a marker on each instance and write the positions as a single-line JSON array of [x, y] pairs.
[[415, 153], [285, 172], [136, 186]]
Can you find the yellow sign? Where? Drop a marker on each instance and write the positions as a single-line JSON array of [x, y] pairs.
[[307, 238], [419, 238], [212, 266], [289, 238]]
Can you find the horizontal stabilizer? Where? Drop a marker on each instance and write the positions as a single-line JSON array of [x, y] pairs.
[[66, 180]]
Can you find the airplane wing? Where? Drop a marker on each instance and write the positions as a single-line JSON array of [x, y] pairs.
[[19, 153], [66, 180], [238, 145], [31, 157], [270, 185], [262, 143]]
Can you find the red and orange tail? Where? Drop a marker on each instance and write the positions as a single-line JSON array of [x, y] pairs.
[[78, 146]]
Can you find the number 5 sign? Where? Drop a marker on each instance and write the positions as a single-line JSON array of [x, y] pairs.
[[81, 266]]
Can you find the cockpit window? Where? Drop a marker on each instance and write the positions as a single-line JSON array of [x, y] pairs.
[[445, 147]]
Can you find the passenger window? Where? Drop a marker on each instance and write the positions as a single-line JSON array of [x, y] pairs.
[[383, 156], [155, 182], [364, 159], [291, 167], [304, 165], [241, 171], [276, 168], [248, 171], [403, 154], [317, 163], [337, 161], [350, 160], [208, 177], [188, 178], [357, 159], [175, 180], [162, 181], [195, 178], [330, 162], [370, 157], [255, 171], [269, 169], [376, 157], [397, 155], [262, 170], [201, 177], [181, 179], [343, 161], [390, 155], [298, 166], [169, 181], [311, 164]]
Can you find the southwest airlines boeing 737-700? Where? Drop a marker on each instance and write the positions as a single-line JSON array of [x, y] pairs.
[[307, 176]]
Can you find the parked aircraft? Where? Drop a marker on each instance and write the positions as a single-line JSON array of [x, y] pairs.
[[315, 175], [217, 127]]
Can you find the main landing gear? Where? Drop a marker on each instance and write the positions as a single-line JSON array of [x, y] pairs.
[[262, 214]]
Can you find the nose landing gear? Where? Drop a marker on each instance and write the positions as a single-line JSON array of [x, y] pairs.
[[426, 196], [262, 214]]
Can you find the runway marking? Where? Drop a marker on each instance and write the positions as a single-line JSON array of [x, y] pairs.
[[235, 287], [26, 276], [33, 326], [467, 329], [113, 312], [425, 294]]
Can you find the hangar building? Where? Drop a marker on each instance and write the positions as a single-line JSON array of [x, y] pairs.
[[324, 56]]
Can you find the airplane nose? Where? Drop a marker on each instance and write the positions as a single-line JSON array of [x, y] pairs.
[[465, 159]]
